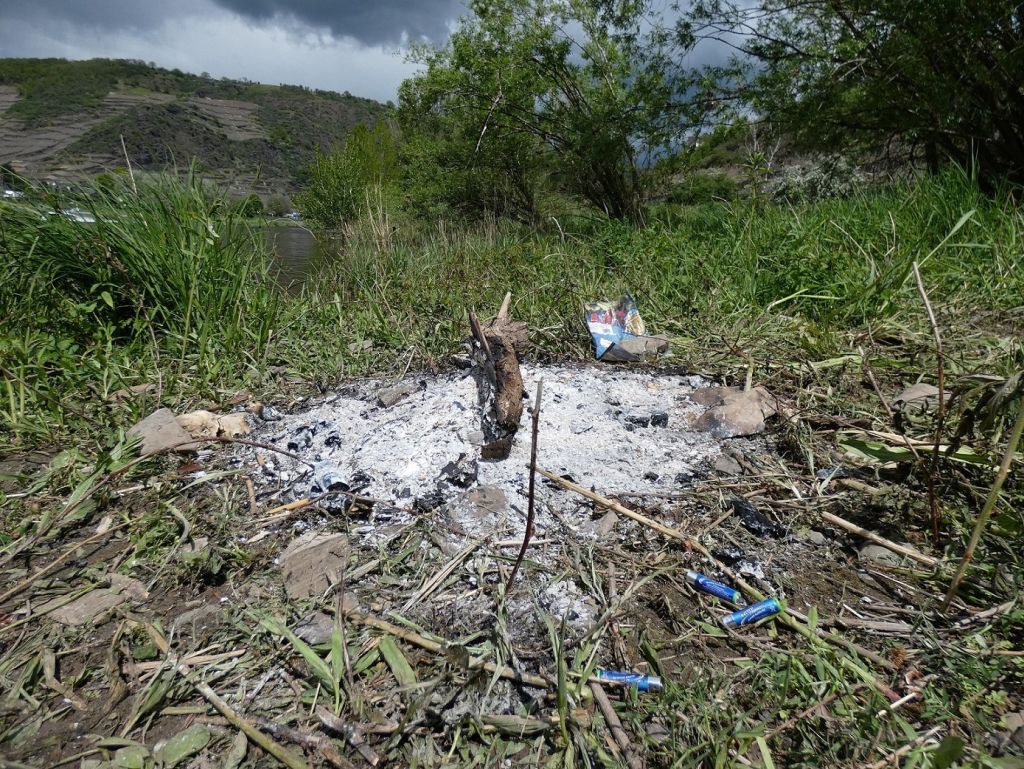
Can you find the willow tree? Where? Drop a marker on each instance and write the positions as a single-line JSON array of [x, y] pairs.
[[581, 92], [942, 78]]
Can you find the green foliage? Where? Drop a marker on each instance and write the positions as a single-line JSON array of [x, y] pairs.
[[250, 207], [341, 180], [76, 323], [942, 77], [278, 205], [585, 91], [168, 271], [696, 188]]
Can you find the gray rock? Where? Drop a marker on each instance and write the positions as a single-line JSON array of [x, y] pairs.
[[312, 563], [658, 732], [389, 396], [316, 628], [484, 505], [602, 527], [732, 412], [880, 555], [1017, 738], [816, 538], [87, 609], [160, 431], [1013, 721], [726, 465]]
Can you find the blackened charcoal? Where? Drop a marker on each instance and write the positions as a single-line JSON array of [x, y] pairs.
[[831, 472], [428, 502], [649, 476], [332, 441], [461, 473], [338, 503], [754, 521], [728, 555], [270, 414], [659, 419], [682, 479], [639, 420], [359, 481], [302, 439]]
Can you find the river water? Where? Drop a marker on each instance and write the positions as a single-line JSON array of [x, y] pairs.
[[297, 253]]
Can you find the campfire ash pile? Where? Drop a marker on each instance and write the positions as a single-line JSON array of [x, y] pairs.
[[448, 449]]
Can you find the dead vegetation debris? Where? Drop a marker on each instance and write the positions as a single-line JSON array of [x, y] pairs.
[[386, 634]]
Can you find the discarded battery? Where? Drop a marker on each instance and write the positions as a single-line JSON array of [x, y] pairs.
[[641, 682], [752, 614], [709, 586]]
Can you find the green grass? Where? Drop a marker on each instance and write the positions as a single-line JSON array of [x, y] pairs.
[[169, 288], [169, 285]]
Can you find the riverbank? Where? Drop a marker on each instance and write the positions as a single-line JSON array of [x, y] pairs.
[[819, 303]]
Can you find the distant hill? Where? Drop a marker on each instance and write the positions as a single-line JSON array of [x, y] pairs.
[[64, 120]]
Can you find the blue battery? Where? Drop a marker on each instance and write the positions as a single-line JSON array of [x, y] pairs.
[[752, 614], [640, 681], [708, 585]]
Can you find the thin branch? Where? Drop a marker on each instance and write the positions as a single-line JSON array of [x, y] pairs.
[[990, 503], [933, 501], [533, 480]]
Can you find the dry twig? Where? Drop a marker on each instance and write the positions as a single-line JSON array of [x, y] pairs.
[[533, 481]]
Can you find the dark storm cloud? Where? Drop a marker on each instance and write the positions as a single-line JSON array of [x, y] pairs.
[[108, 14], [369, 21]]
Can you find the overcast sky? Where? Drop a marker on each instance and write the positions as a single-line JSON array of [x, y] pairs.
[[341, 45]]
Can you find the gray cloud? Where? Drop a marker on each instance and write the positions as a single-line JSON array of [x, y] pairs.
[[102, 14], [372, 22], [206, 35]]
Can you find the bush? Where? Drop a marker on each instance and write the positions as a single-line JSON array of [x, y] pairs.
[[250, 207], [833, 177], [699, 188], [341, 179]]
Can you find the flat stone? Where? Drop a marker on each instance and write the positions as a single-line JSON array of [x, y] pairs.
[[879, 554], [312, 563], [316, 628], [1017, 738], [484, 503], [1013, 721], [816, 538], [86, 609], [732, 412], [726, 465], [160, 431], [389, 396], [206, 424], [602, 527], [124, 394], [636, 348], [129, 586]]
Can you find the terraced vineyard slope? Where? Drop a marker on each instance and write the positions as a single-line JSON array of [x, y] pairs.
[[64, 120]]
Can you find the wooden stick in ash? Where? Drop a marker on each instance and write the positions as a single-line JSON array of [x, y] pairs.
[[533, 481]]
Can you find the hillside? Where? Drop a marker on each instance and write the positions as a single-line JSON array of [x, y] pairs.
[[65, 119]]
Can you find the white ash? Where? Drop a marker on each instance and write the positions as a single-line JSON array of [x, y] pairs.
[[614, 429], [565, 601]]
